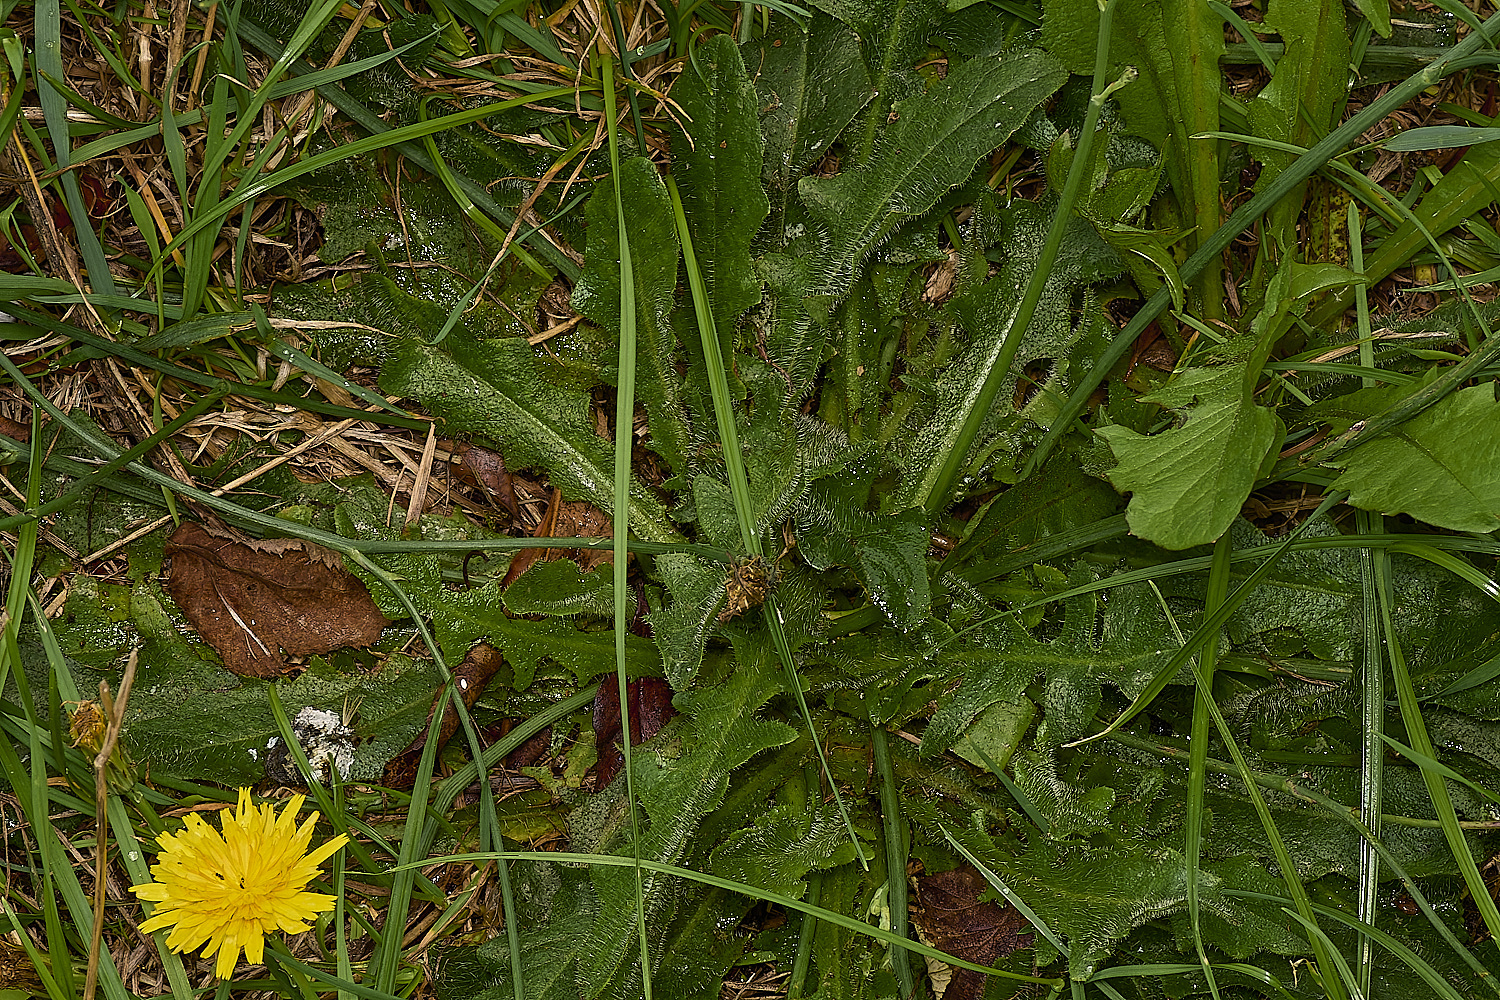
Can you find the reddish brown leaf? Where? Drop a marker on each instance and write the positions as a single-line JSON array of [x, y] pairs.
[[471, 677], [565, 519], [13, 429], [650, 710], [952, 918], [487, 469], [251, 599]]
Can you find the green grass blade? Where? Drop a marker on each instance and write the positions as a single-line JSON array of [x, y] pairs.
[[1421, 743], [624, 440], [48, 60], [1217, 591], [896, 852], [718, 384], [261, 185]]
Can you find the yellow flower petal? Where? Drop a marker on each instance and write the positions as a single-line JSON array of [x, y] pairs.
[[226, 889]]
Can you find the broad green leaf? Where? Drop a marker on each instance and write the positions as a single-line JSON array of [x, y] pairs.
[[1378, 13], [895, 34], [718, 166], [1442, 466], [1306, 94], [1058, 498], [1113, 193], [1096, 897], [1306, 604], [1240, 927], [1188, 483], [811, 83], [1311, 79], [654, 256], [772, 460], [493, 388], [893, 567], [793, 339], [557, 587], [933, 145], [460, 618], [997, 733], [699, 955], [1150, 261]]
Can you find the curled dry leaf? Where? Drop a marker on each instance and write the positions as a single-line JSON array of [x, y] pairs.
[[255, 601], [954, 917], [487, 468], [470, 677]]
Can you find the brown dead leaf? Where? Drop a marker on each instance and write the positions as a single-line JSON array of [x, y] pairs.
[[487, 468], [650, 709], [565, 519], [253, 599], [952, 917], [13, 429], [470, 677]]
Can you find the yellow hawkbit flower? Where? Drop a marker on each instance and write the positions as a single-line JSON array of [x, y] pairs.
[[232, 890]]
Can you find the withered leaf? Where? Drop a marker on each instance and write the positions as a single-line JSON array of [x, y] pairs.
[[253, 599], [565, 519], [470, 677], [650, 709], [951, 917], [487, 468]]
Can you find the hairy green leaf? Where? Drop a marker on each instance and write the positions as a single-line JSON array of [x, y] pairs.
[[493, 388], [681, 776], [932, 146], [1122, 642], [1188, 483], [1096, 897], [1071, 809], [811, 83], [557, 587], [887, 551], [654, 256], [895, 33], [1442, 466], [682, 628], [781, 847], [988, 312], [718, 165]]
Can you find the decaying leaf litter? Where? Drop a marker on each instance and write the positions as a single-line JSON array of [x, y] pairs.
[[1154, 662]]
